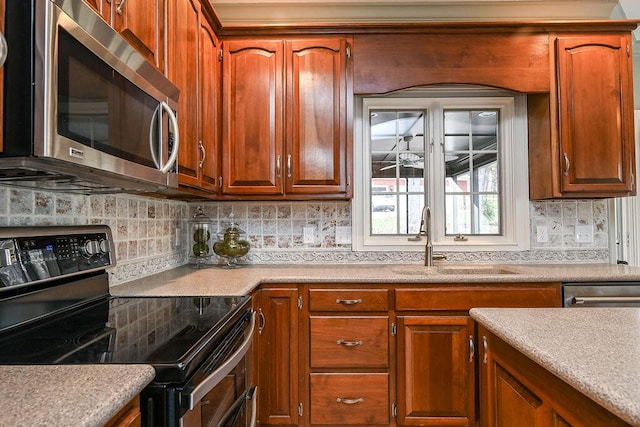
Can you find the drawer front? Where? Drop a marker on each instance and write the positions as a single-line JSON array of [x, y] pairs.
[[350, 399], [467, 297], [348, 300], [349, 342]]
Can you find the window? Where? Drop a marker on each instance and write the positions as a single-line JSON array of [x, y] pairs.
[[465, 157]]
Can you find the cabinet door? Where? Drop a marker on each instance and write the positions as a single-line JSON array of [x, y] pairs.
[[277, 357], [208, 68], [595, 114], [141, 22], [252, 135], [436, 371], [317, 101], [184, 21]]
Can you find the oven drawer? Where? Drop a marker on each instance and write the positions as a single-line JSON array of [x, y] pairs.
[[350, 399], [349, 342], [349, 300]]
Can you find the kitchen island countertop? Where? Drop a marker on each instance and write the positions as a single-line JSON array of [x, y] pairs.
[[68, 395], [214, 280], [594, 350]]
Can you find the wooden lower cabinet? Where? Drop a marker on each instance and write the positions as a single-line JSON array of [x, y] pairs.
[[436, 370], [277, 356], [515, 391], [129, 416], [355, 354]]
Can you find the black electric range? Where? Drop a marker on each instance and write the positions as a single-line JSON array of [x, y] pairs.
[[55, 308]]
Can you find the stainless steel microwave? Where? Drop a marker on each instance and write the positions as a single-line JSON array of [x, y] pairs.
[[83, 110]]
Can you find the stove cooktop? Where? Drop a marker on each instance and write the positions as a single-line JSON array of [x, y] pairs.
[[169, 333]]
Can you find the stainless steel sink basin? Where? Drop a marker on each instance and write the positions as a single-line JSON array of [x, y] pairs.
[[452, 270]]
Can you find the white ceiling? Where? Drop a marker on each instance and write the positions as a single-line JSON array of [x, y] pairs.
[[291, 12]]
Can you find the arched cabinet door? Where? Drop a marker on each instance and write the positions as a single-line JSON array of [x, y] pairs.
[[252, 134], [318, 83], [595, 114]]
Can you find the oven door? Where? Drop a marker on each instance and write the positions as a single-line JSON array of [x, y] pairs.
[[223, 398]]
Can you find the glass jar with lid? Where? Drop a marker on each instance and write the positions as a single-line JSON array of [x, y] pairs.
[[201, 230]]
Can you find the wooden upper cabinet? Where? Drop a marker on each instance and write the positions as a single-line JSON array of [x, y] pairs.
[[183, 34], [195, 70], [595, 113], [141, 22], [208, 144], [286, 129], [317, 100], [581, 135], [252, 132]]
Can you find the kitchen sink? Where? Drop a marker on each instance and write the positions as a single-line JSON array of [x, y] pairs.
[[453, 270]]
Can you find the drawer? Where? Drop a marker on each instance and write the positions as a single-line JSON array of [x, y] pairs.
[[349, 342], [467, 297], [348, 300], [350, 399]]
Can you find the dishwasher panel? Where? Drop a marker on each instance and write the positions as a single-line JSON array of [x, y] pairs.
[[601, 294]]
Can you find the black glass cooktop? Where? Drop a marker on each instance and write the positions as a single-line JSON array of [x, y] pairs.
[[170, 333]]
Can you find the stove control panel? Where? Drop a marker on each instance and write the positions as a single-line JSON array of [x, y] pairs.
[[40, 253]]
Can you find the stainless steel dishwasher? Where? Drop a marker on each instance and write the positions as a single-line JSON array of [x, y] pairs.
[[601, 294]]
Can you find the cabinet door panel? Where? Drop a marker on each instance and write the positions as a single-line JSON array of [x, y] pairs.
[[141, 22], [515, 405], [436, 382], [596, 136], [278, 357], [252, 139], [103, 7], [209, 90], [316, 111], [183, 49]]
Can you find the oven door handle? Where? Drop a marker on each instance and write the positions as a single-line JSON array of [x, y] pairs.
[[206, 385]]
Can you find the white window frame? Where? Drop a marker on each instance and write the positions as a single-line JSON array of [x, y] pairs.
[[513, 166]]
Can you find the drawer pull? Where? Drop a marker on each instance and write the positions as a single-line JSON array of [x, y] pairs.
[[349, 401], [349, 343], [349, 301]]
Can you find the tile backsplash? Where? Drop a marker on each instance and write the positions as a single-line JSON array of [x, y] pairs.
[[151, 234], [143, 228]]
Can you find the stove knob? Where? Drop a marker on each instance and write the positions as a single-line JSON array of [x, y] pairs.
[[105, 246], [91, 247]]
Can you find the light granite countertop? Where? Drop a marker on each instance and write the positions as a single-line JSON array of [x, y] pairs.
[[214, 280], [68, 395], [595, 350]]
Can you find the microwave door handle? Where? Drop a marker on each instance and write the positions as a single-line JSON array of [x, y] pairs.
[[176, 138], [206, 385], [153, 142]]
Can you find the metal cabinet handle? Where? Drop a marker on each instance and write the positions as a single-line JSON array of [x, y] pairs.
[[485, 349], [472, 349], [349, 343], [204, 154], [349, 401], [349, 301], [263, 321], [289, 166], [278, 165], [567, 164], [120, 6]]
